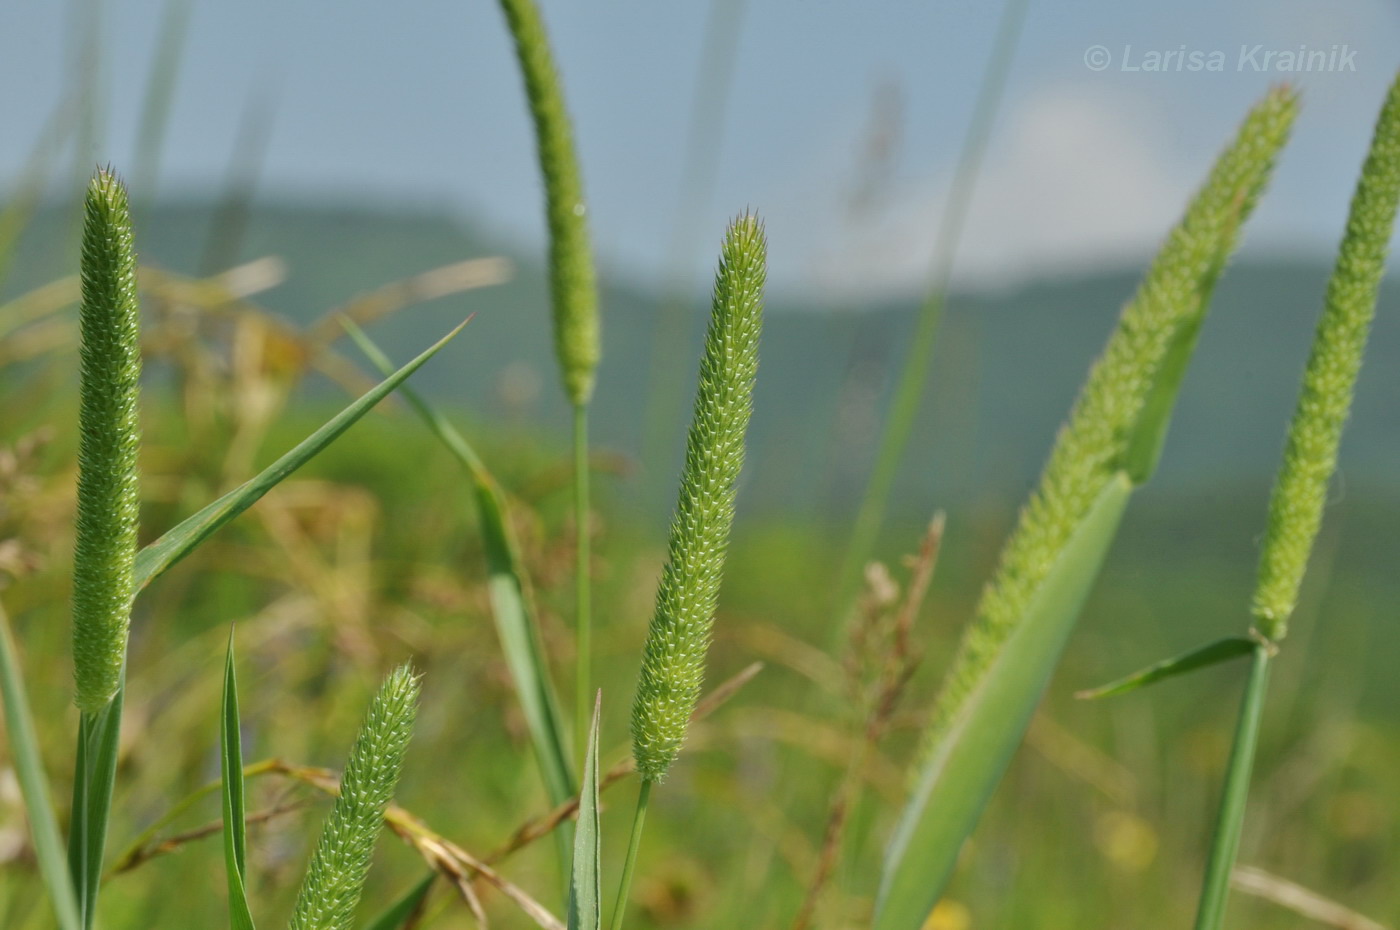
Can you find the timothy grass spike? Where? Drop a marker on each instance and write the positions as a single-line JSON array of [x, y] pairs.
[[1310, 456], [572, 278], [673, 665], [1109, 446], [1108, 423], [108, 491], [341, 861]]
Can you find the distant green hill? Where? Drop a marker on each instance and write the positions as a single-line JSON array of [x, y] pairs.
[[1008, 364]]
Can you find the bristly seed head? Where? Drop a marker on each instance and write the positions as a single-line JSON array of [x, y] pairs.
[[1116, 424], [336, 876], [673, 664], [572, 279], [108, 492], [1310, 456]]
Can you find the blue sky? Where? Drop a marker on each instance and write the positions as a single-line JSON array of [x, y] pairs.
[[419, 103]]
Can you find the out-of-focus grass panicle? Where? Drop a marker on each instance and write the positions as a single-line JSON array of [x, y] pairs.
[[1103, 435], [108, 491], [341, 861], [673, 664], [572, 277], [1310, 456]]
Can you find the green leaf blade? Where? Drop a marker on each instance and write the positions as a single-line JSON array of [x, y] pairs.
[[585, 881], [234, 811], [1222, 650], [34, 784], [400, 914], [178, 542], [971, 755], [511, 608]]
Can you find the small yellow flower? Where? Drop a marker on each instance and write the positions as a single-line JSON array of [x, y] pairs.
[[949, 915]]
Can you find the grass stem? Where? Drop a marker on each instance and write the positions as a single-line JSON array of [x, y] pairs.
[[1230, 821], [909, 390], [583, 612], [624, 887]]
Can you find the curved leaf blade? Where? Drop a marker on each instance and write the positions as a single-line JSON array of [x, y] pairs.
[[585, 881], [34, 784], [1222, 650], [234, 812], [976, 750], [183, 538]]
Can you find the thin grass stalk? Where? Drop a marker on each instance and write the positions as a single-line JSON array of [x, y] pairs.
[[583, 602], [629, 864], [573, 288], [904, 405], [1229, 821], [1309, 462], [699, 168], [160, 92]]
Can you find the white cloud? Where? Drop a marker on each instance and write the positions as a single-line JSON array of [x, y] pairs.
[[1076, 178]]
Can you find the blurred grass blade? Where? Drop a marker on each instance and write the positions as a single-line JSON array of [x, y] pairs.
[[160, 93], [235, 832], [405, 909], [511, 608], [988, 728], [181, 540], [94, 774], [1223, 650], [585, 881], [34, 785]]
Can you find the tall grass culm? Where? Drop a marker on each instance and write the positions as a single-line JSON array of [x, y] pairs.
[[1309, 462], [574, 294], [1109, 446], [104, 557], [673, 661]]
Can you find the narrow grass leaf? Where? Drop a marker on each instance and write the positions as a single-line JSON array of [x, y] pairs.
[[989, 725], [400, 914], [34, 784], [1223, 650], [511, 607], [585, 880], [94, 776], [336, 876], [1049, 562], [234, 812], [182, 539]]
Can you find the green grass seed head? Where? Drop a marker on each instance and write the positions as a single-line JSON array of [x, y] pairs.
[[108, 492], [673, 663], [1106, 425], [1310, 454], [341, 861], [572, 280]]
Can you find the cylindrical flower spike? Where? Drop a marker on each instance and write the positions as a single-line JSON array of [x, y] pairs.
[[338, 867], [571, 275], [1310, 456], [673, 665], [108, 492]]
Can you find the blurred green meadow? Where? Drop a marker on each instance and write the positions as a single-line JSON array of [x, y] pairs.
[[371, 555]]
